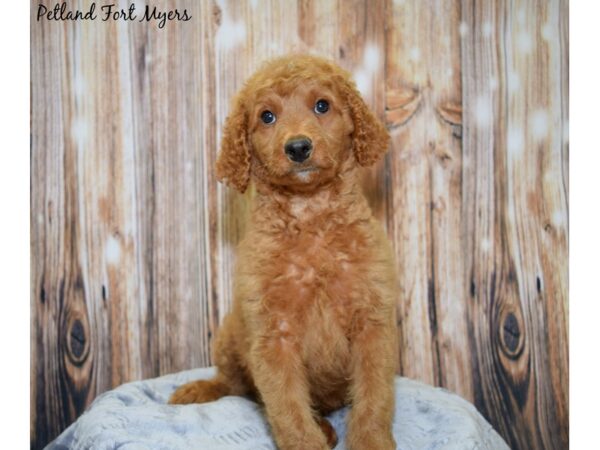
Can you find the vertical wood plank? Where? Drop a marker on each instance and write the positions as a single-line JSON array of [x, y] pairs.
[[47, 228], [515, 202], [409, 174], [180, 262], [423, 110]]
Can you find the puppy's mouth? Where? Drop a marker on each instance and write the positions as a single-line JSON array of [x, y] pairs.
[[304, 173], [305, 170]]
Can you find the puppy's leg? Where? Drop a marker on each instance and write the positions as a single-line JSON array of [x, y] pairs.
[[280, 378], [230, 379], [372, 387]]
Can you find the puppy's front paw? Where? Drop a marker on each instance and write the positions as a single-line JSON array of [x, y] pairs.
[[201, 391]]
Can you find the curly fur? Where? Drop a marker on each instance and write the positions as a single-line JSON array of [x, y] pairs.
[[313, 325], [233, 164]]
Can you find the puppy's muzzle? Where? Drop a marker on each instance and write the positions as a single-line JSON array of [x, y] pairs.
[[298, 149]]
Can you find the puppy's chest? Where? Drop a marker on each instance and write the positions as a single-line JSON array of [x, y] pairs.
[[318, 272]]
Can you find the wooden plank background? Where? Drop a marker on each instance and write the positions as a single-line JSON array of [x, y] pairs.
[[133, 240]]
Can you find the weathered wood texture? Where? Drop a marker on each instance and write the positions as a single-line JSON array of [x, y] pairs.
[[133, 240]]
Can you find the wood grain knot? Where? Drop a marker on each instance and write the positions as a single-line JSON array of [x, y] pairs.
[[400, 105], [511, 336], [451, 113], [77, 342]]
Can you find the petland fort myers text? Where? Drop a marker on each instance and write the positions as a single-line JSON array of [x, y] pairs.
[[111, 11]]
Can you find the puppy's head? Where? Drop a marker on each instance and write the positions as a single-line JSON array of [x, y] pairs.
[[294, 123]]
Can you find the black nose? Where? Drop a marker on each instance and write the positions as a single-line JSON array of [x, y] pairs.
[[298, 149]]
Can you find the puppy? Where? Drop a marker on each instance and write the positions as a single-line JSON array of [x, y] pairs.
[[313, 323]]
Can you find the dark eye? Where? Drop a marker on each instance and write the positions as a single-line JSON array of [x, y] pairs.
[[322, 106], [268, 117]]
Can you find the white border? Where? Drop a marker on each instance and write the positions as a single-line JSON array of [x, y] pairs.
[[14, 205], [584, 221], [584, 268]]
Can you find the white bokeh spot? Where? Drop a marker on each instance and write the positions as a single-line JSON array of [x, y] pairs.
[[494, 83], [112, 251], [487, 29], [538, 123], [362, 79], [414, 54], [514, 81], [547, 32], [521, 16], [559, 218], [365, 74], [515, 142], [79, 131], [230, 33], [371, 57], [486, 245], [79, 84], [524, 43], [483, 111]]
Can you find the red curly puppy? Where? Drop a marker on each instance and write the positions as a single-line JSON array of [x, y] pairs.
[[313, 322]]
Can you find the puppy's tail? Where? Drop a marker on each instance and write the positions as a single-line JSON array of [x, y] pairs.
[[201, 391]]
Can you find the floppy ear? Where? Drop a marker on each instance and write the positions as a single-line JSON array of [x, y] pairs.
[[233, 163], [370, 138]]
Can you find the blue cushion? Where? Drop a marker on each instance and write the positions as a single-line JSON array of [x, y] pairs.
[[136, 416]]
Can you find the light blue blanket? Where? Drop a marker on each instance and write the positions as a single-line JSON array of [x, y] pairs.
[[136, 416]]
